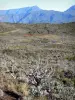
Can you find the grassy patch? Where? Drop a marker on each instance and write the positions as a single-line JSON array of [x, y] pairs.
[[71, 58], [4, 33], [66, 77], [17, 47]]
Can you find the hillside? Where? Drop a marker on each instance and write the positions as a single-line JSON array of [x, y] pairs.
[[37, 61], [34, 14]]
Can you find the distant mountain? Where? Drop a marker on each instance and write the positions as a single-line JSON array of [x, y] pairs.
[[71, 11], [36, 15]]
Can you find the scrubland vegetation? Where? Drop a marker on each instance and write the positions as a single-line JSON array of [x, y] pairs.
[[37, 62]]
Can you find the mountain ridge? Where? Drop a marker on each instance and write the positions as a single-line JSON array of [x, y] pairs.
[[34, 14]]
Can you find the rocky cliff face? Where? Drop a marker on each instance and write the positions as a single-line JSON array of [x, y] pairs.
[[37, 61]]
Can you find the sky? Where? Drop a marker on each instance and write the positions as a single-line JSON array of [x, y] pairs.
[[58, 5]]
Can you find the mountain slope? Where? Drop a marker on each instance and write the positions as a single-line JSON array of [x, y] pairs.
[[36, 15], [71, 11]]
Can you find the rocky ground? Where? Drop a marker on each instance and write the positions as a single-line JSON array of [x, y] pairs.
[[37, 62]]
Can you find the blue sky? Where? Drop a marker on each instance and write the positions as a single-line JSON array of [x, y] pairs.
[[59, 5]]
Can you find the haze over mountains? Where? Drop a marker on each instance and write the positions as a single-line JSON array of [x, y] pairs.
[[34, 14]]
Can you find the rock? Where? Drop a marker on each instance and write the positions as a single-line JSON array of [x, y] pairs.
[[1, 93]]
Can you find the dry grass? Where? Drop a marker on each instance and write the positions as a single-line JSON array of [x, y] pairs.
[[23, 88]]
